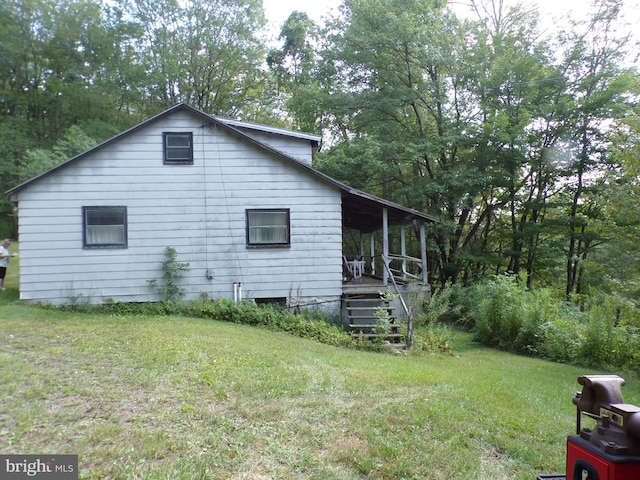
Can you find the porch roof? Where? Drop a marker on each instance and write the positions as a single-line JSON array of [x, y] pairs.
[[363, 212]]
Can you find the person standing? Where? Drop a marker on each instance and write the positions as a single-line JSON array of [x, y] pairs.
[[4, 261]]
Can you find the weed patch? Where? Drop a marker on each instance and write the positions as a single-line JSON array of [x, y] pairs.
[[600, 332]]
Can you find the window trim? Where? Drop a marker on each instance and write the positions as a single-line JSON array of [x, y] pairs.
[[125, 226], [285, 244], [166, 149]]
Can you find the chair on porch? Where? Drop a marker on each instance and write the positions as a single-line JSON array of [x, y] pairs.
[[354, 268]]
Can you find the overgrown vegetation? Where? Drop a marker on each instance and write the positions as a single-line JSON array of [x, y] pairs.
[[598, 330], [172, 271], [313, 324]]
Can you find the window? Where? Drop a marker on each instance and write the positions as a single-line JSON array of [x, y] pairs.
[[279, 301], [268, 228], [105, 227], [178, 148]]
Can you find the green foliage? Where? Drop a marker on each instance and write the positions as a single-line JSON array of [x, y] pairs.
[[602, 332], [172, 272], [311, 324], [500, 311], [559, 338], [36, 161], [434, 338], [439, 305]]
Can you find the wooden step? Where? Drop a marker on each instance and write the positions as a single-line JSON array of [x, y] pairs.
[[372, 325], [370, 320], [364, 299], [370, 308], [364, 308], [377, 335]]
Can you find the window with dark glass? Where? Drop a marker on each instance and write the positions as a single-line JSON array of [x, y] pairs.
[[105, 227], [178, 148], [268, 227]]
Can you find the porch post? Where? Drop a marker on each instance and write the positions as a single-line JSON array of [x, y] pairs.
[[403, 252], [385, 244], [423, 253], [372, 241]]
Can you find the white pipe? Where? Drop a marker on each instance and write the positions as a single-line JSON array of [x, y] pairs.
[[237, 292]]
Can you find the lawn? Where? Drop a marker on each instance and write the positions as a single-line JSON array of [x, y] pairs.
[[180, 398]]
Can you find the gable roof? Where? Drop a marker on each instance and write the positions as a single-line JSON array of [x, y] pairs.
[[269, 128], [361, 210]]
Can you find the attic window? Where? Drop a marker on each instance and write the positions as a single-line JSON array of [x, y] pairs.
[[268, 228], [178, 148], [104, 227]]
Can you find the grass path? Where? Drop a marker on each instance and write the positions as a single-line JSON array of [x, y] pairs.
[[177, 398]]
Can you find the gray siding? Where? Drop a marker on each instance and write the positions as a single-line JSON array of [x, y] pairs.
[[294, 147], [197, 209]]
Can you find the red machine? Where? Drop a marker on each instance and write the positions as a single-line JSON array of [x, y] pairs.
[[610, 451]]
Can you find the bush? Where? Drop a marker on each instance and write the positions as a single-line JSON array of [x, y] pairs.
[[500, 312], [559, 339], [603, 333], [439, 306], [435, 338]]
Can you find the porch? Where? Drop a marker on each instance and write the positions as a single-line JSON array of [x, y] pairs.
[[384, 274], [412, 293], [371, 309]]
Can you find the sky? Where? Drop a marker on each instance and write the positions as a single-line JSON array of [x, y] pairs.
[[552, 11]]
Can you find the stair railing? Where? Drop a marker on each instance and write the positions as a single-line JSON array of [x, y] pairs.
[[406, 309]]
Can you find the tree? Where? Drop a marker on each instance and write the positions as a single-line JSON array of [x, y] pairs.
[[106, 66], [478, 122], [599, 88], [450, 107], [298, 76], [52, 66], [205, 53], [37, 161]]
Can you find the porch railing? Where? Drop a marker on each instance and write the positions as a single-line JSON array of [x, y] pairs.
[[405, 267], [400, 267]]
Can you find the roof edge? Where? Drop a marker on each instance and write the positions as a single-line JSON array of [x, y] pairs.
[[233, 129]]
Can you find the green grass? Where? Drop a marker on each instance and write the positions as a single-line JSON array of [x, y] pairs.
[[180, 398], [11, 281]]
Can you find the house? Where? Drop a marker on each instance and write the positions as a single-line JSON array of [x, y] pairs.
[[238, 201]]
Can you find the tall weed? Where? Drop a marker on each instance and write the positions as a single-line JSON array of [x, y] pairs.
[[500, 311], [602, 332]]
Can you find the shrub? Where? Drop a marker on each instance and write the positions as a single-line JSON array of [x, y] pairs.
[[560, 339], [501, 307], [603, 332], [172, 272], [440, 305], [434, 338], [307, 324]]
